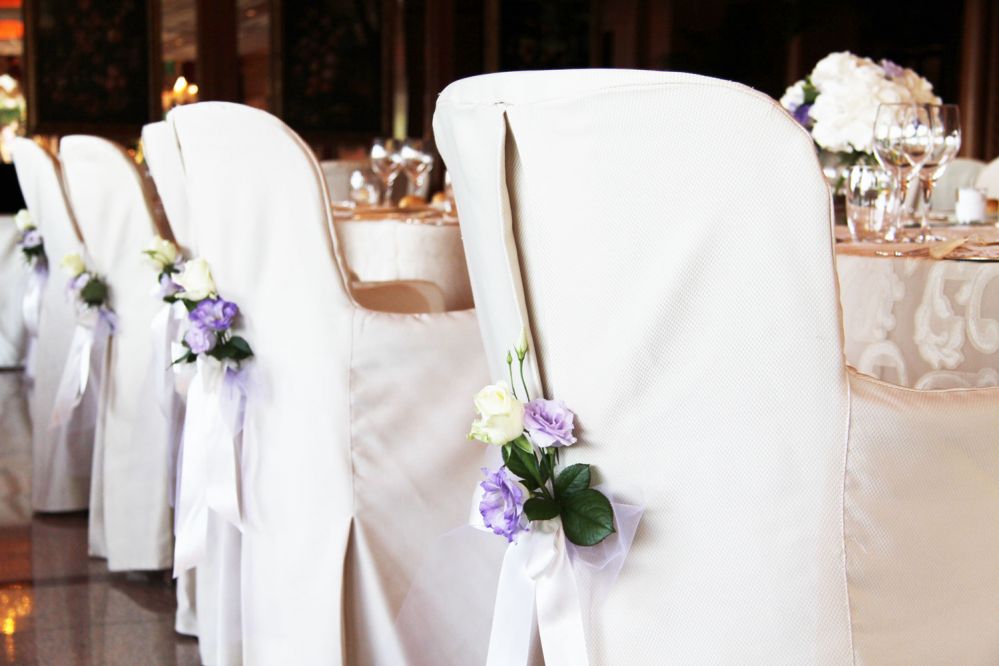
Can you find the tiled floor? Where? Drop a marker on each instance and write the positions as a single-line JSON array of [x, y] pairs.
[[57, 606]]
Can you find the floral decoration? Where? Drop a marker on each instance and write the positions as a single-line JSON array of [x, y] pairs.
[[166, 259], [839, 100], [529, 486], [87, 288], [30, 240], [210, 318]]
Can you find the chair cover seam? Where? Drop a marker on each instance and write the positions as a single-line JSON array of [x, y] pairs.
[[846, 460]]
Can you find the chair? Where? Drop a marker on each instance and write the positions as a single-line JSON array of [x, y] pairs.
[[337, 176], [15, 340], [961, 172], [167, 171], [988, 179], [354, 414], [61, 456], [666, 239], [129, 506]]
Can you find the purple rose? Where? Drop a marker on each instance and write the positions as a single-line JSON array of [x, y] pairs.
[[549, 423], [502, 505], [214, 314], [200, 340], [892, 69], [31, 239], [801, 114], [168, 287]]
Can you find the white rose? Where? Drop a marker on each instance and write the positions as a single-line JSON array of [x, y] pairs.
[[23, 220], [161, 252], [73, 264], [196, 280], [501, 415], [794, 96]]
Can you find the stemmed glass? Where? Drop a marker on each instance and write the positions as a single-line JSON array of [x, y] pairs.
[[386, 162], [416, 162], [903, 141], [946, 133]]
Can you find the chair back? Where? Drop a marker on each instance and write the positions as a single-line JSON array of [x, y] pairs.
[[163, 158], [262, 214], [666, 240], [988, 179]]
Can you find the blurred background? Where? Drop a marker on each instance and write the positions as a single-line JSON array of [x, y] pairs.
[[343, 71]]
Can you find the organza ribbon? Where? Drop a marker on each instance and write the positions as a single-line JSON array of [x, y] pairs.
[[210, 458], [539, 578], [93, 328], [31, 309]]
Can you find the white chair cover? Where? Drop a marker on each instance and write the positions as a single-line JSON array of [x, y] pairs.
[[961, 172], [353, 457], [988, 179], [167, 168], [129, 505], [666, 240], [13, 279], [61, 456]]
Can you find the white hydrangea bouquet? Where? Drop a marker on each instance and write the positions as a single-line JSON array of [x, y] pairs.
[[839, 100]]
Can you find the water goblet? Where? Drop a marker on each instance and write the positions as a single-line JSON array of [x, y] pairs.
[[417, 163], [946, 133], [386, 162], [870, 203]]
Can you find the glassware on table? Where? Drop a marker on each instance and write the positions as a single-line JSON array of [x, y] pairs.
[[417, 163], [363, 190], [871, 203], [386, 162], [946, 133], [903, 141]]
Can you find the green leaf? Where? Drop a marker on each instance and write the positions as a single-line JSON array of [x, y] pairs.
[[572, 479], [94, 292], [587, 517], [524, 444], [241, 347], [525, 466], [506, 453], [190, 305], [539, 508], [547, 466]]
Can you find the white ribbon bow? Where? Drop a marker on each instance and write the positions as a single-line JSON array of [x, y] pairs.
[[210, 458], [31, 309], [539, 579], [93, 328]]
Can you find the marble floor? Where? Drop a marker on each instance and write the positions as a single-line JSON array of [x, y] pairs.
[[57, 606]]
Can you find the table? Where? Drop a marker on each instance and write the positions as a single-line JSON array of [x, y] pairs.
[[918, 321], [396, 249]]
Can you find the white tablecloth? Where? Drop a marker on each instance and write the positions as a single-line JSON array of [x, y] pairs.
[[921, 322], [13, 273], [378, 250]]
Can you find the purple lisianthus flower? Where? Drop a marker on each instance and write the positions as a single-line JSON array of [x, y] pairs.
[[168, 287], [214, 314], [200, 339], [549, 423], [502, 505], [800, 113], [893, 70], [31, 239], [79, 282]]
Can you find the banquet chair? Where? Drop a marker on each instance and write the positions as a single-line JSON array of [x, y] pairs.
[[337, 176], [167, 171], [353, 451], [961, 172], [129, 502], [61, 455], [15, 342], [666, 240], [988, 179]]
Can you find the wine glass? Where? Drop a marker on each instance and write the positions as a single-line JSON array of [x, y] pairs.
[[386, 162], [902, 143], [946, 133], [416, 162]]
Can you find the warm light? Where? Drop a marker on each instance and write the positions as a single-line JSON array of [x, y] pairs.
[[14, 604], [192, 89], [179, 85]]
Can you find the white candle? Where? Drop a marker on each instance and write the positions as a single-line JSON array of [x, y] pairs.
[[970, 206]]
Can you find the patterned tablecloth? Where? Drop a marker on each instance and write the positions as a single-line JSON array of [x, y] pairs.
[[919, 321]]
